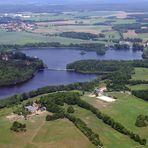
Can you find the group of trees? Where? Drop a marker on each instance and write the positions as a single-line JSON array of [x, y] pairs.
[[145, 54], [137, 46], [141, 121], [116, 73], [18, 127], [79, 35], [54, 103], [121, 47], [21, 110], [72, 98], [143, 94], [17, 68], [17, 99], [134, 40], [99, 48]]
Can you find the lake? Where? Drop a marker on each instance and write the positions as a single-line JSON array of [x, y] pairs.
[[58, 58]]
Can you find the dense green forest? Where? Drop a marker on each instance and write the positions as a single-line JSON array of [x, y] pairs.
[[17, 67]]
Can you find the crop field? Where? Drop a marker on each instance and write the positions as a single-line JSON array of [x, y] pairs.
[[24, 38], [69, 28]]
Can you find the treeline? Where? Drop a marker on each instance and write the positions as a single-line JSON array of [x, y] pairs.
[[141, 121], [145, 54], [17, 99], [72, 98], [143, 94], [137, 40], [17, 67], [116, 73], [79, 35], [125, 27], [54, 103], [121, 47], [99, 48], [136, 82], [137, 46], [97, 66]]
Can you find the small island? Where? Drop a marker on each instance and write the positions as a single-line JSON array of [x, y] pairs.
[[16, 67]]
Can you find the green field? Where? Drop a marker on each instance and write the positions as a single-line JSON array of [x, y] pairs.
[[140, 74], [109, 137], [25, 37], [124, 110], [41, 134], [139, 87], [143, 36]]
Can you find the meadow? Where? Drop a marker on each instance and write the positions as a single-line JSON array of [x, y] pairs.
[[41, 134], [140, 74]]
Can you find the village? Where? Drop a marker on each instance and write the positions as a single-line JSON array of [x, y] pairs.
[[14, 23]]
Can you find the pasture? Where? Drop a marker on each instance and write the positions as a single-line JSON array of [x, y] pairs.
[[140, 74], [41, 134]]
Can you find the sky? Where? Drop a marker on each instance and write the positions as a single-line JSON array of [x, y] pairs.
[[67, 1]]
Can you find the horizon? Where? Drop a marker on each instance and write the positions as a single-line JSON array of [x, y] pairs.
[[57, 2]]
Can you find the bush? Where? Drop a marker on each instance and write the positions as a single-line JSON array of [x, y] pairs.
[[17, 127], [70, 109]]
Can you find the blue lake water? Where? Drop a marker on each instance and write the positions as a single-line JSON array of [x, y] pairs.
[[58, 58]]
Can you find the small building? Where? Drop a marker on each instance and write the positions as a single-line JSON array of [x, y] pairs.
[[100, 91], [31, 109]]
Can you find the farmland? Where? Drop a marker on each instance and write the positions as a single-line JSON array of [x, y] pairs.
[[112, 123]]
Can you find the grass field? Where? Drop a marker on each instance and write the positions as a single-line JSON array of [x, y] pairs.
[[124, 110], [41, 134], [69, 28], [24, 38], [143, 36], [109, 137], [139, 87], [140, 74]]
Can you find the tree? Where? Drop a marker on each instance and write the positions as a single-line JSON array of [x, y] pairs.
[[70, 109]]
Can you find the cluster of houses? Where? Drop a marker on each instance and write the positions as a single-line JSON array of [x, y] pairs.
[[17, 26], [35, 108], [5, 56]]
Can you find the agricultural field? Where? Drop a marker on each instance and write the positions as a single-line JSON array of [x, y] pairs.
[[41, 134], [125, 107], [108, 136], [25, 37]]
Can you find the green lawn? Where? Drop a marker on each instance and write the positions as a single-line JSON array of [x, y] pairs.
[[140, 74]]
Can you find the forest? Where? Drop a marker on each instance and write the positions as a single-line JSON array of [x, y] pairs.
[[17, 68]]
